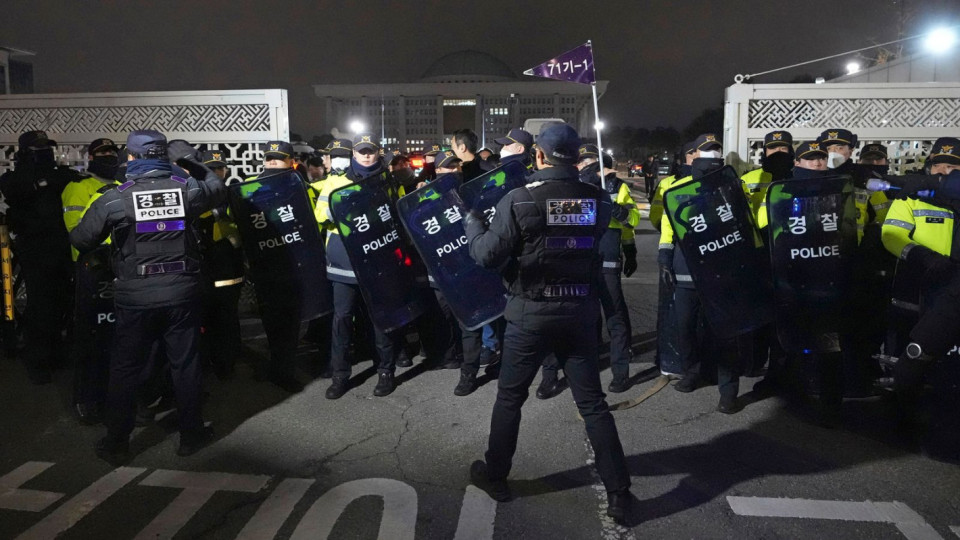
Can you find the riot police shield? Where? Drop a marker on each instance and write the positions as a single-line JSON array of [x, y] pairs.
[[485, 191], [714, 227], [281, 240], [812, 235], [433, 216], [380, 258]]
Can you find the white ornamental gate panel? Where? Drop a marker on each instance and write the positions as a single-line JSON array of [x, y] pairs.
[[237, 122], [906, 117]]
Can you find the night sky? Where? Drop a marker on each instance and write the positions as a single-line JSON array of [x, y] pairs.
[[666, 60]]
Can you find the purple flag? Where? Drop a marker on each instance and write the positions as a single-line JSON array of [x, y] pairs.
[[575, 65]]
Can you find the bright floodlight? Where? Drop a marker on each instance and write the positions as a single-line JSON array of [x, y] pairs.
[[357, 126], [941, 40], [609, 152], [599, 125], [852, 68]]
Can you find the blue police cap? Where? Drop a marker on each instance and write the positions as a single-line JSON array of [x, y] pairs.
[[560, 143], [147, 142], [837, 136]]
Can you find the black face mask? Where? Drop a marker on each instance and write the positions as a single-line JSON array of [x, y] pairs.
[[704, 166], [104, 166], [778, 164], [404, 176], [879, 169]]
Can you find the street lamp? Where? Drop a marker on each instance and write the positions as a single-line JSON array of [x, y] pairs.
[[940, 40], [356, 126], [599, 125], [609, 152], [853, 67]]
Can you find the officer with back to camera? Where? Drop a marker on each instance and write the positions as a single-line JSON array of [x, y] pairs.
[[151, 220], [545, 237]]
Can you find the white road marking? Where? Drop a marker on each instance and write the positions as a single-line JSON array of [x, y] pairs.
[[26, 500], [609, 529], [275, 510], [197, 488], [477, 515], [72, 511], [910, 523], [399, 521]]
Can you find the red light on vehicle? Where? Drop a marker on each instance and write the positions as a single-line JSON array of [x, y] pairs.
[[416, 162]]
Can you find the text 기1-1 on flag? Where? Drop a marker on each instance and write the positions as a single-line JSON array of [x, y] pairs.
[[575, 65]]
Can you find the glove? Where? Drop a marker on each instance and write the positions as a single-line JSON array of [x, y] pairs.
[[937, 268], [179, 149], [667, 277], [620, 212], [629, 259]]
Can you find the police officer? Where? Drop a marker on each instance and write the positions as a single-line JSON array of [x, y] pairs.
[[279, 301], [515, 146], [921, 233], [776, 164], [667, 355], [364, 166], [687, 304], [93, 309], [551, 276], [32, 190], [618, 250], [222, 272], [151, 219]]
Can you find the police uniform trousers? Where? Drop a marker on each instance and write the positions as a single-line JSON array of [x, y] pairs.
[[471, 341], [177, 329], [346, 306], [720, 358], [280, 314], [46, 272], [92, 335], [435, 330], [617, 318], [220, 341], [526, 342]]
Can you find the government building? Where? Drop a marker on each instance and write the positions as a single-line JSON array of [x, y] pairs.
[[465, 89]]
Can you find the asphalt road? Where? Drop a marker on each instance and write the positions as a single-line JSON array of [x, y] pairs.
[[300, 466]]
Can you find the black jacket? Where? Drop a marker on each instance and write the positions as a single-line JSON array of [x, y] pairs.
[[36, 210], [517, 230], [108, 213]]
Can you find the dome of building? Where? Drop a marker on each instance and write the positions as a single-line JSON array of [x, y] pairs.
[[468, 66]]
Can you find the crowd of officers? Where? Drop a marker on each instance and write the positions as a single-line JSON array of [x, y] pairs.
[[156, 266], [154, 258], [900, 234]]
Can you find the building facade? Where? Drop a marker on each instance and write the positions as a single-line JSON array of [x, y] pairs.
[[465, 89]]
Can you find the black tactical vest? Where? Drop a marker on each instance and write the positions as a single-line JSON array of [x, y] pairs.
[[560, 259], [156, 238]]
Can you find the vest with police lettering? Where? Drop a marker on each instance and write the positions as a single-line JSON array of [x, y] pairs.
[[156, 238], [562, 260]]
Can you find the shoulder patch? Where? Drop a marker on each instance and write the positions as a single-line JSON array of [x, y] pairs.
[[178, 179], [125, 186]]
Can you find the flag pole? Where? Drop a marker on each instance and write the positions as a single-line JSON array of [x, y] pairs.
[[596, 118]]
